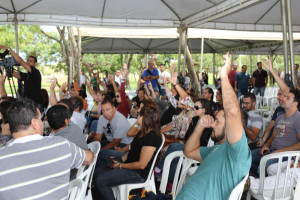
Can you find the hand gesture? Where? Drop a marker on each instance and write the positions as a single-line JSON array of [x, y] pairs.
[[268, 64], [263, 149], [224, 71], [172, 68], [111, 77], [63, 87], [174, 79], [206, 122], [53, 83], [153, 57], [125, 71], [150, 85], [2, 78]]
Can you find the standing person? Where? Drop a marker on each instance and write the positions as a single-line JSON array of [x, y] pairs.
[[151, 74], [33, 166], [83, 79], [163, 73], [32, 79], [224, 165], [118, 76], [259, 80], [233, 72], [242, 81]]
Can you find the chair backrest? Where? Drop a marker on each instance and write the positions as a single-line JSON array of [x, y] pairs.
[[259, 102], [85, 173], [237, 192], [297, 190], [280, 191], [76, 190], [155, 157]]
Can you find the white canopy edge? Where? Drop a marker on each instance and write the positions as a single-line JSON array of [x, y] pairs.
[[172, 33]]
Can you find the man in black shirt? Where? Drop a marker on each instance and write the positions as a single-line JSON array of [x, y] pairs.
[[259, 80], [32, 79]]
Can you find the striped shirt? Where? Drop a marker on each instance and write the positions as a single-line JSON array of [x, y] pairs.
[[36, 167], [255, 120]]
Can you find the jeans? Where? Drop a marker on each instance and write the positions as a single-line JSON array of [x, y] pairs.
[[260, 90], [113, 177], [93, 127], [162, 92], [172, 148], [255, 166]]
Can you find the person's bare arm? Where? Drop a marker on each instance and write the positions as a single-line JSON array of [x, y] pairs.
[[235, 86], [89, 157], [16, 75], [2, 86], [17, 58], [62, 89], [266, 133], [168, 91], [253, 81], [252, 133], [112, 81], [145, 157], [92, 92], [180, 91], [53, 99], [167, 128], [285, 89], [114, 143], [152, 90], [233, 121], [192, 146], [266, 81]]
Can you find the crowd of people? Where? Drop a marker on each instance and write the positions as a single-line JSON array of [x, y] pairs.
[[41, 163]]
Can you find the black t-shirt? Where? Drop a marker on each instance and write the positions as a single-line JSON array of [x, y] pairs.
[[260, 78], [32, 84], [150, 139], [205, 135]]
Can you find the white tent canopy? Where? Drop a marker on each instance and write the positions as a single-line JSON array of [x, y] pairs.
[[257, 15], [163, 41]]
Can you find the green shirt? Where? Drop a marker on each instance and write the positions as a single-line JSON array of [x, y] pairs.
[[223, 167]]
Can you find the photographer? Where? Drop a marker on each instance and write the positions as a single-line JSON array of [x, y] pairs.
[[32, 79]]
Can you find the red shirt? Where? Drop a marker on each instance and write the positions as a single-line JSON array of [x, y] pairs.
[[123, 106], [231, 77]]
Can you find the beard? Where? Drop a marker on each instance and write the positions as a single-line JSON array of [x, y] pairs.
[[219, 138]]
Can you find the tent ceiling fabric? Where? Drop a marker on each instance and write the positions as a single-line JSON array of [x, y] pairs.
[[257, 15]]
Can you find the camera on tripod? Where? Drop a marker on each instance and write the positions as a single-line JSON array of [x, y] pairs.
[[7, 63]]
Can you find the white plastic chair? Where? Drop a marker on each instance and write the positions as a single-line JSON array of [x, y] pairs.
[[86, 173], [76, 190], [122, 191], [284, 192], [297, 191], [267, 115], [237, 192]]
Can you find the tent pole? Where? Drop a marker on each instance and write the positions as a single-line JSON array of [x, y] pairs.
[[251, 63], [284, 31], [290, 27], [214, 65], [270, 75], [16, 34], [179, 48], [201, 64], [184, 53]]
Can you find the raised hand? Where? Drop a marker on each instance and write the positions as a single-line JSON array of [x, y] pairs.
[[125, 71], [206, 121], [172, 68], [63, 86], [174, 79], [53, 83], [224, 71], [268, 64]]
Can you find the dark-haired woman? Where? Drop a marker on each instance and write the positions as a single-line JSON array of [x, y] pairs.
[[136, 164]]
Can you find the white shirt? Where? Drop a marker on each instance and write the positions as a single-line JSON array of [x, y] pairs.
[[83, 78], [163, 74], [118, 79], [79, 120]]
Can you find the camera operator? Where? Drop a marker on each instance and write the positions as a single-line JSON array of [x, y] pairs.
[[32, 79]]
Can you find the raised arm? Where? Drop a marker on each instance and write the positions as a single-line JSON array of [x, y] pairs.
[[2, 86], [92, 92], [53, 99], [233, 121], [285, 89], [112, 81], [179, 89], [17, 58]]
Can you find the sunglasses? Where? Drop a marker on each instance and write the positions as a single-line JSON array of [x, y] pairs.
[[108, 128], [197, 107], [117, 96]]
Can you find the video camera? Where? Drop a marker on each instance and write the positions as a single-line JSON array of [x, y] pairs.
[[8, 63]]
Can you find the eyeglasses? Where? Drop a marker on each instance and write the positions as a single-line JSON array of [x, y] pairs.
[[197, 107], [108, 128], [247, 103], [117, 96]]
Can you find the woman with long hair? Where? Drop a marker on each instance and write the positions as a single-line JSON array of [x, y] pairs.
[[134, 166]]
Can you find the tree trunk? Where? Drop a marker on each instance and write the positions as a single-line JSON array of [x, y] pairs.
[[189, 63]]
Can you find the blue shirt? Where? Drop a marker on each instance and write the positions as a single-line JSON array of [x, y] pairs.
[[155, 72], [242, 81], [223, 167]]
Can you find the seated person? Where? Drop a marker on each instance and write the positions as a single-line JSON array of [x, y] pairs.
[[5, 134], [78, 117], [135, 165], [113, 125], [39, 166]]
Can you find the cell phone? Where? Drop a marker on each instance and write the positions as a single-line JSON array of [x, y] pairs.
[[110, 162]]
